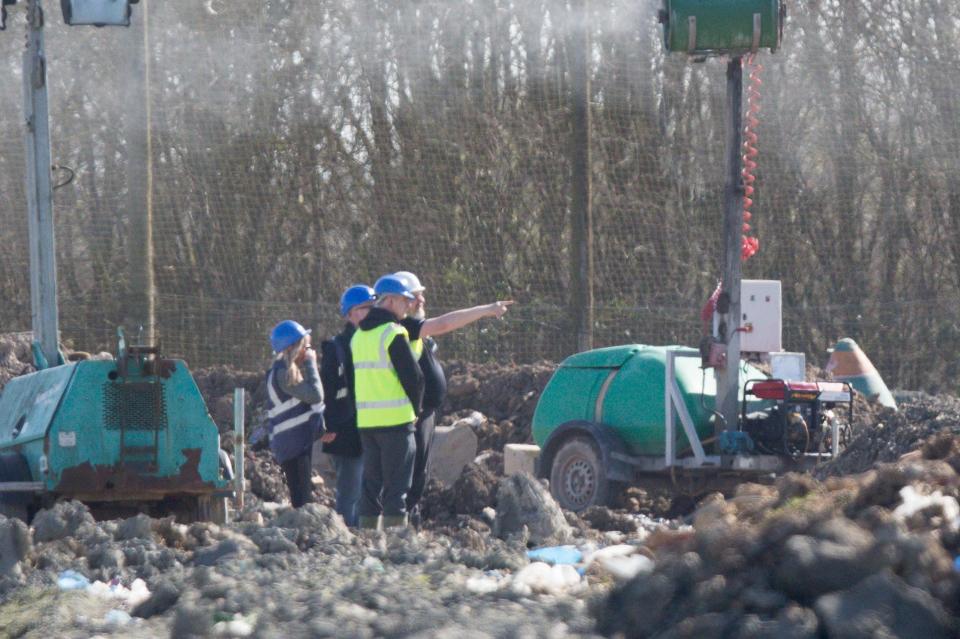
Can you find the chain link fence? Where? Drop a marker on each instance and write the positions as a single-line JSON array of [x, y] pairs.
[[292, 149]]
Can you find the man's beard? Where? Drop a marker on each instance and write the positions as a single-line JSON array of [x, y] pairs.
[[420, 313]]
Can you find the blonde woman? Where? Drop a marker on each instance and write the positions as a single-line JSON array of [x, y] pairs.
[[295, 407]]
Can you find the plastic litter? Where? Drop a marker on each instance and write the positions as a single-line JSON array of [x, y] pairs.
[[914, 502], [556, 555], [118, 618], [956, 564], [483, 585], [236, 627], [72, 580], [623, 561], [539, 577], [372, 563], [135, 594]]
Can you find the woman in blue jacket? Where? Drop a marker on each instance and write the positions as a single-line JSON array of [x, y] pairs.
[[294, 407]]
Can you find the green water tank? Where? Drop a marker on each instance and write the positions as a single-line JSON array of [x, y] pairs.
[[622, 387], [720, 27]]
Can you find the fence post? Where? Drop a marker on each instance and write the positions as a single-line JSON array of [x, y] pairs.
[[581, 276]]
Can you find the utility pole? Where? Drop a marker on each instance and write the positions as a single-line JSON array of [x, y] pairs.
[[728, 305], [581, 263], [43, 257], [141, 294]]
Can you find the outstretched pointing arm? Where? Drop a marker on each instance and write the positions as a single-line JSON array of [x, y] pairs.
[[458, 319]]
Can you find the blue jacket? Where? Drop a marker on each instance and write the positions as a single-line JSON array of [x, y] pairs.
[[294, 422]]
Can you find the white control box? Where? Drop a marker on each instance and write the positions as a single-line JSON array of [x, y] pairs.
[[761, 319]]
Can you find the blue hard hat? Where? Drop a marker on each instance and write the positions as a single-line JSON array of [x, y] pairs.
[[411, 280], [355, 295], [286, 334], [393, 285]]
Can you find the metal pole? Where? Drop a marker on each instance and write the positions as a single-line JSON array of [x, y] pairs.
[[141, 294], [43, 259], [728, 377], [582, 304], [239, 396]]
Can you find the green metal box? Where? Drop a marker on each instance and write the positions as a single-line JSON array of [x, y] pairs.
[[130, 429], [719, 27]]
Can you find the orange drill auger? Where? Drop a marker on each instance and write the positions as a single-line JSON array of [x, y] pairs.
[[750, 244]]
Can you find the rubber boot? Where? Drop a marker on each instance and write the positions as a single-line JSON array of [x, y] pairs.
[[370, 522], [393, 521]]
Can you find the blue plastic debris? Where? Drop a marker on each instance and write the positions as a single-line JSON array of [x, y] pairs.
[[956, 564], [72, 580], [556, 555]]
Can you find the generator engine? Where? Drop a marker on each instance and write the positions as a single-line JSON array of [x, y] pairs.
[[804, 417]]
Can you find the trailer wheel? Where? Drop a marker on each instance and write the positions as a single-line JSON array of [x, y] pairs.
[[578, 479]]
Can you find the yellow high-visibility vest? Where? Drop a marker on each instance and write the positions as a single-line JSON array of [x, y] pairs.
[[417, 347], [381, 400]]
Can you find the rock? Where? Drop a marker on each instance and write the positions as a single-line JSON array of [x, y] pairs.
[[232, 547], [810, 567], [65, 519], [165, 595], [316, 522], [138, 527], [523, 502], [841, 556], [884, 606], [14, 545], [453, 448], [272, 540], [191, 621], [792, 623]]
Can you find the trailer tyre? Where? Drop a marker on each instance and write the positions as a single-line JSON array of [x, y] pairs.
[[578, 479]]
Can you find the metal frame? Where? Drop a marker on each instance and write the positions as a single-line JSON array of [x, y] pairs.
[[674, 407]]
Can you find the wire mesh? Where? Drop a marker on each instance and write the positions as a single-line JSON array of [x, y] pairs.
[[298, 148]]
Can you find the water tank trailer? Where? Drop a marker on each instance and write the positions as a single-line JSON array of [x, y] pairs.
[[131, 433], [638, 414]]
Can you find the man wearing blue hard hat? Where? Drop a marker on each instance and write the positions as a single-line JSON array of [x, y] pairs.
[[422, 331], [388, 391], [294, 407], [342, 440]]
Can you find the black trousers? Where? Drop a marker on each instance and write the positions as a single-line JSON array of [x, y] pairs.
[[298, 472], [387, 470], [424, 438]]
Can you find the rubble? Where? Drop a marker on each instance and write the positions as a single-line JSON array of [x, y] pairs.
[[804, 557], [825, 558]]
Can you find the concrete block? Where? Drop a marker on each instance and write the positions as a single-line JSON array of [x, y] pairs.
[[452, 449], [520, 458]]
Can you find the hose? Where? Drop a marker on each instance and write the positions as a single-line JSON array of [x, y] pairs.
[[750, 245]]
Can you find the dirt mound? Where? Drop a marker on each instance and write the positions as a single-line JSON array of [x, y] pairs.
[[804, 558], [884, 435], [15, 356], [506, 393], [217, 384]]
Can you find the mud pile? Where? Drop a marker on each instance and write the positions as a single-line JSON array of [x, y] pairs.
[[868, 555], [506, 394], [15, 356], [884, 435]]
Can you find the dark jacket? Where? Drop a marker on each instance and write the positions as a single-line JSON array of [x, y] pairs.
[[295, 412], [406, 367], [340, 414], [434, 379]]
